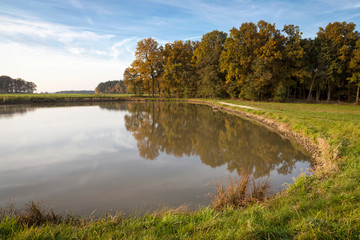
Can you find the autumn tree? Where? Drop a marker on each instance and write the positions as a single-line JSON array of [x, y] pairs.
[[132, 81], [252, 60], [148, 56], [206, 57], [178, 69], [309, 70], [238, 56], [268, 69], [256, 61], [292, 60], [337, 41], [355, 69]]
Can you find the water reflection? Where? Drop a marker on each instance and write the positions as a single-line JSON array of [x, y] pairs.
[[114, 106], [8, 111], [86, 157], [218, 138]]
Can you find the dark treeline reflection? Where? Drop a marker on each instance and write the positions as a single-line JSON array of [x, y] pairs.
[[114, 106], [8, 111], [218, 138]]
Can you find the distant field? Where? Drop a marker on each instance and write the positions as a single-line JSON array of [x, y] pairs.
[[38, 98]]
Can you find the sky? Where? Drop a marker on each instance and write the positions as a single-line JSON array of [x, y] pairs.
[[76, 44]]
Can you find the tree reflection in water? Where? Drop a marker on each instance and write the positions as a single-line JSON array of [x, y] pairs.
[[218, 138], [9, 111]]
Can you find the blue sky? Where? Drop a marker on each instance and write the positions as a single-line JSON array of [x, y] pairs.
[[75, 44]]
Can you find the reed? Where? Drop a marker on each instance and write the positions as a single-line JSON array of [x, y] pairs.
[[239, 192]]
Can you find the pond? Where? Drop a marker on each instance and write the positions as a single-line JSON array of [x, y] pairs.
[[133, 157]]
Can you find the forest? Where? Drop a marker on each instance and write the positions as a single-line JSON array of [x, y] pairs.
[[115, 86], [255, 62], [9, 85]]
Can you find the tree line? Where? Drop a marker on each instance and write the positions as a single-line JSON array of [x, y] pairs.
[[10, 85], [255, 62], [116, 86]]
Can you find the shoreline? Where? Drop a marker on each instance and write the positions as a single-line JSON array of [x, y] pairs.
[[316, 206], [311, 147]]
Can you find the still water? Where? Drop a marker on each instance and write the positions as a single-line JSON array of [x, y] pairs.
[[133, 156]]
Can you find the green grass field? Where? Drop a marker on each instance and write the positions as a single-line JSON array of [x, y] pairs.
[[325, 205], [40, 98]]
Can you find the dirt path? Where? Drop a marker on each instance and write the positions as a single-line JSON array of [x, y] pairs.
[[240, 106]]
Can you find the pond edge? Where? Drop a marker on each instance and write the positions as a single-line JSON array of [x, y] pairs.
[[323, 155]]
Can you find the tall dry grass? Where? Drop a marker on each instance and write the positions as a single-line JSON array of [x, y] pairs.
[[34, 214], [239, 192]]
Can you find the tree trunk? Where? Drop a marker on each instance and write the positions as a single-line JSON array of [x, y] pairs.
[[153, 87], [357, 95], [159, 88], [317, 94], [288, 93], [329, 91], [311, 87], [304, 93]]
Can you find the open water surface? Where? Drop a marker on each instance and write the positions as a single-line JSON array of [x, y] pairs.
[[133, 157]]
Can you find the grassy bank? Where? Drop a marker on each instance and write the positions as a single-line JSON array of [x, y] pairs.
[[54, 98], [325, 205]]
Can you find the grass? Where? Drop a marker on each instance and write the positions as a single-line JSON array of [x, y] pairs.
[[324, 205], [46, 98]]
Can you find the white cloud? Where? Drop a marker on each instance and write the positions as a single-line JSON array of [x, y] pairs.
[[76, 4], [59, 57], [194, 38], [39, 30], [99, 53], [76, 51], [126, 46], [74, 40], [54, 70]]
